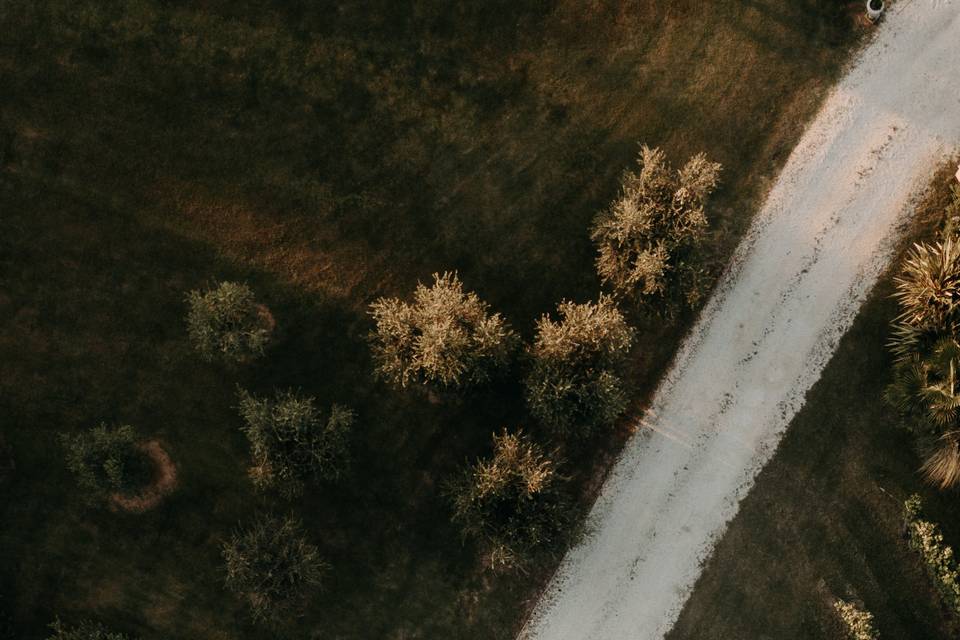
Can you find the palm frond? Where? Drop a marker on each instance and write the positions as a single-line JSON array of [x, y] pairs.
[[942, 468]]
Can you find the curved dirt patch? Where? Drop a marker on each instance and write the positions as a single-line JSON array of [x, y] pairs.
[[163, 483], [797, 281]]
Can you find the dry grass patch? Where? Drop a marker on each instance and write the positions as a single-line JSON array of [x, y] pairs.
[[162, 484]]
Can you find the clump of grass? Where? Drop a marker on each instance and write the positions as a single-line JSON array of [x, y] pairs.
[[85, 630]]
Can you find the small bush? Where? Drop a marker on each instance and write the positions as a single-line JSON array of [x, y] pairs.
[[291, 442], [574, 385], [646, 239], [857, 623], [84, 631], [106, 460], [273, 567], [226, 323], [512, 503], [446, 339], [925, 538]]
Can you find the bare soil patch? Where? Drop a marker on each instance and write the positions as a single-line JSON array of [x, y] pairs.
[[163, 483]]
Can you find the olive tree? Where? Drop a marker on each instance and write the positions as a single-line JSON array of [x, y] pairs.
[[445, 339], [226, 323], [513, 503], [106, 460], [86, 630], [574, 385], [292, 442], [646, 239], [273, 567]]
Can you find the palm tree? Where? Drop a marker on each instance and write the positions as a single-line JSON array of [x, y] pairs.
[[928, 289], [926, 383]]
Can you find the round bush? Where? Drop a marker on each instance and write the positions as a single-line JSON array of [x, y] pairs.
[[106, 460], [273, 567], [574, 385], [226, 323], [445, 340], [512, 503], [291, 442]]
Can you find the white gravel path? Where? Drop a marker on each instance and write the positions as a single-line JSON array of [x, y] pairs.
[[798, 279]]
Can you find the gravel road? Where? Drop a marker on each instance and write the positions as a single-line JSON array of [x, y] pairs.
[[797, 281]]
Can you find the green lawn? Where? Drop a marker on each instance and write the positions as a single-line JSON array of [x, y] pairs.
[[825, 517], [330, 153]]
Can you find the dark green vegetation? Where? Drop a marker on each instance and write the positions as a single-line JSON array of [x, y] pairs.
[[937, 556], [226, 323], [273, 567], [825, 519], [513, 503], [329, 154], [86, 630], [105, 460], [292, 443], [575, 383], [926, 344]]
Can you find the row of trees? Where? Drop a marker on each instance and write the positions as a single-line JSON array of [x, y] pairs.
[[926, 346], [270, 564], [447, 340]]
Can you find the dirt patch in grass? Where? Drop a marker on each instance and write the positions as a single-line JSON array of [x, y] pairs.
[[163, 483], [825, 515]]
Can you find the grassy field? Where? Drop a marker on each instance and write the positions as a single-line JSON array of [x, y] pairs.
[[825, 517], [330, 153]]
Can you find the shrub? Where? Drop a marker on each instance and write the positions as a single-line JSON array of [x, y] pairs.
[[446, 339], [84, 631], [273, 567], [291, 442], [106, 460], [927, 354], [574, 384], [857, 622], [512, 503], [227, 323], [925, 538], [646, 239], [925, 385], [928, 288]]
